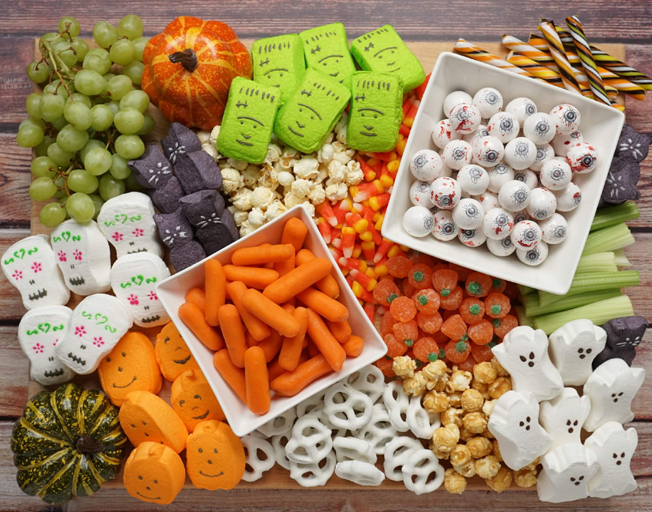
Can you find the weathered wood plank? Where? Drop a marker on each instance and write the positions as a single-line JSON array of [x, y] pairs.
[[14, 374], [15, 178], [11, 307], [639, 256], [639, 113]]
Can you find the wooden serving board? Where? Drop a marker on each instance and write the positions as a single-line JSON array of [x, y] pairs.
[[277, 477]]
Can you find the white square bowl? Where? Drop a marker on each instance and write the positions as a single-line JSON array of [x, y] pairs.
[[600, 125], [172, 293]]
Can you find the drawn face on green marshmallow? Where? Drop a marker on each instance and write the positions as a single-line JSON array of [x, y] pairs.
[[279, 62], [327, 49]]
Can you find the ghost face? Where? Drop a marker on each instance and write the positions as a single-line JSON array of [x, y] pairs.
[[564, 416], [574, 346]]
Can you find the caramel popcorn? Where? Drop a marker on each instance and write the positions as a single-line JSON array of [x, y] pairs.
[[499, 387], [479, 386], [485, 372], [460, 455], [466, 434], [460, 380], [500, 371], [486, 433], [414, 386], [472, 400], [404, 366], [466, 470], [501, 481], [475, 422], [533, 464], [487, 467], [479, 447], [525, 477], [455, 399], [451, 415], [437, 375], [496, 449], [435, 401], [488, 407], [454, 483], [444, 439]]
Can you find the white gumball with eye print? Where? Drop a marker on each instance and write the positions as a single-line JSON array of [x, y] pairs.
[[555, 175], [457, 154], [569, 198], [562, 143], [465, 118], [526, 234], [567, 118], [497, 223], [488, 101], [472, 237], [504, 126], [418, 221], [445, 193], [426, 165], [521, 108], [539, 128], [473, 179], [582, 158], [481, 132], [456, 98], [501, 248], [520, 153], [420, 194], [468, 214], [533, 256], [488, 201], [543, 204], [443, 133], [554, 230], [528, 177], [488, 151], [445, 228], [545, 153], [514, 196], [498, 176]]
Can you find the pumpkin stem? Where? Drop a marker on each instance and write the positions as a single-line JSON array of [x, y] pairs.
[[86, 444], [187, 58]]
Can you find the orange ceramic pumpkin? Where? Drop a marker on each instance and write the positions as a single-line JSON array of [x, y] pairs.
[[189, 68]]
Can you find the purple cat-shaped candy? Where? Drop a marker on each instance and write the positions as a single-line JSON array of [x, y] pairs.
[[179, 141], [623, 336]]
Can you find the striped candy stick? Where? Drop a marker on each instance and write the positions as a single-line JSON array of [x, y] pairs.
[[621, 84], [547, 28], [584, 53], [565, 37], [621, 69], [518, 46], [612, 92], [538, 42], [535, 68], [463, 47]]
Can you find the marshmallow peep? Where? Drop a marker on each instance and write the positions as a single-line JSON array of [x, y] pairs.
[[524, 354], [614, 446], [514, 422], [83, 255], [96, 325], [563, 416], [573, 347], [566, 473], [134, 278], [611, 388], [30, 266], [38, 333], [127, 222]]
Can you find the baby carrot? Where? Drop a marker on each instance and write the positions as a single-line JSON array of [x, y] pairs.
[[294, 232], [327, 284], [257, 381], [268, 264], [259, 255], [313, 350], [297, 280], [292, 347], [322, 304], [233, 333], [271, 345], [291, 383], [258, 329], [286, 266], [194, 318], [274, 369], [272, 314], [252, 277], [354, 346], [197, 297], [251, 341], [341, 330], [215, 290], [326, 343], [234, 376]]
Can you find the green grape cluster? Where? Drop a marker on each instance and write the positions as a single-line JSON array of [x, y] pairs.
[[88, 121]]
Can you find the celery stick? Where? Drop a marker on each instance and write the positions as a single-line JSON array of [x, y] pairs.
[[608, 239], [524, 290], [570, 302], [621, 259], [598, 262], [613, 215], [598, 312], [593, 282], [522, 317], [530, 300]]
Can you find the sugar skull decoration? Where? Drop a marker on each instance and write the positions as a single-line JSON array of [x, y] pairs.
[[154, 473]]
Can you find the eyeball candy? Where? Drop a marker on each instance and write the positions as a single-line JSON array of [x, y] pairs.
[[418, 221], [497, 223], [468, 214], [465, 118], [420, 194], [473, 179], [555, 175], [543, 204], [562, 143], [534, 256], [472, 237], [457, 154], [474, 137], [514, 196], [488, 201], [498, 176], [454, 99], [520, 216], [582, 158], [566, 117], [445, 228], [504, 126], [521, 108], [528, 177], [501, 248], [445, 193], [426, 165], [540, 128], [569, 198], [545, 153], [443, 133], [488, 151], [488, 101], [446, 172], [554, 230], [526, 234], [520, 153]]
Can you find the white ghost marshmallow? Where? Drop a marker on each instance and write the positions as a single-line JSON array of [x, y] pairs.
[[524, 354], [573, 347], [96, 325], [514, 422], [614, 447], [611, 388], [134, 278], [563, 416], [38, 333], [83, 255], [30, 266], [566, 473], [127, 222]]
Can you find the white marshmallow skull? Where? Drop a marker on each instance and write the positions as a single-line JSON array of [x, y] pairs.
[[30, 266], [566, 473], [563, 416], [38, 333], [134, 278], [573, 347], [83, 255]]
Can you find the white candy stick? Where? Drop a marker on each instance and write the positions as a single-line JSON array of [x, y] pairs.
[[422, 423], [252, 445], [397, 452], [352, 448], [379, 431], [566, 473], [313, 474], [361, 473], [422, 464], [397, 403], [563, 417]]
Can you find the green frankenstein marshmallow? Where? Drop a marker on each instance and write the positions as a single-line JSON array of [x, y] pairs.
[[248, 120], [383, 51], [327, 50], [375, 112], [279, 62], [312, 111]]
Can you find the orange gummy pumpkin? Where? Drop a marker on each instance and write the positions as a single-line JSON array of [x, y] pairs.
[[215, 456], [172, 353], [131, 366], [145, 417], [193, 399], [154, 473], [189, 68]]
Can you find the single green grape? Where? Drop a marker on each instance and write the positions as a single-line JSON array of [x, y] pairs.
[[59, 123], [98, 60], [134, 70], [78, 114], [89, 82], [60, 183], [119, 168], [108, 76], [77, 96], [122, 51], [91, 144], [52, 214], [59, 156], [104, 34], [97, 204], [110, 187], [80, 180], [57, 88], [148, 125], [139, 47], [132, 183], [71, 139], [97, 161], [128, 121], [80, 47], [80, 207], [65, 52], [42, 189], [38, 123], [114, 106], [118, 86], [30, 136], [129, 147], [70, 24], [33, 105], [63, 201], [135, 99], [101, 118], [131, 26], [38, 72], [51, 106], [43, 167], [42, 148]]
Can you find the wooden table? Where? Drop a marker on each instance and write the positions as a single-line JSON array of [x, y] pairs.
[[478, 21]]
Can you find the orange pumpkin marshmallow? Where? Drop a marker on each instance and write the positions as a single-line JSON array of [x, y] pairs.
[[215, 456], [193, 399], [154, 473], [172, 353], [131, 366], [146, 417]]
